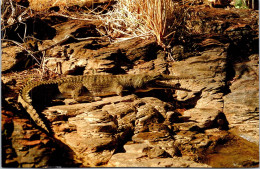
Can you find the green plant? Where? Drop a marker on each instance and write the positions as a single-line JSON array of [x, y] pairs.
[[241, 4]]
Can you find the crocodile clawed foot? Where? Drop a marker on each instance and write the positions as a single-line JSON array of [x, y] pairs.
[[97, 99], [85, 99], [70, 101]]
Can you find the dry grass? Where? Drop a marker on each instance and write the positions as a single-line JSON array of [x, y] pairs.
[[139, 18]]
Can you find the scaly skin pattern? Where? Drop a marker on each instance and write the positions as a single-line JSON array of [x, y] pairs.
[[83, 88]]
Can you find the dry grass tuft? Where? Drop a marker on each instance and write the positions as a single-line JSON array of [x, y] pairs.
[[139, 18]]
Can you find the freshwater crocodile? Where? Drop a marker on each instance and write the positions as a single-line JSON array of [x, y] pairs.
[[84, 88]]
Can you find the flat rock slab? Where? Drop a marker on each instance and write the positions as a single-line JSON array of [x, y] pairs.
[[94, 131], [89, 131], [140, 160], [209, 70], [242, 104], [207, 118]]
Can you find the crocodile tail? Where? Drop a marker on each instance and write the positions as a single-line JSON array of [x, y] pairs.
[[33, 114], [183, 89], [25, 100], [171, 77]]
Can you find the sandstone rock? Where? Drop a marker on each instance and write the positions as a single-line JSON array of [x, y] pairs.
[[188, 126], [76, 109], [107, 124], [33, 148], [211, 75], [135, 148], [242, 104], [125, 160], [158, 128], [151, 137], [11, 57], [91, 133], [134, 160], [156, 65], [146, 116], [8, 152], [214, 61], [207, 118], [156, 151], [82, 57], [193, 145]]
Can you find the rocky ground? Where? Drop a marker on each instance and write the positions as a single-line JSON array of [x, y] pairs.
[[214, 125]]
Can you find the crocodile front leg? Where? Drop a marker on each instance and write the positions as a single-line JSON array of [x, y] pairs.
[[119, 90], [76, 91]]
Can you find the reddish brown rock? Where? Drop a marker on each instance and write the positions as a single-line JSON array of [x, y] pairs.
[[137, 160], [242, 104], [160, 128]]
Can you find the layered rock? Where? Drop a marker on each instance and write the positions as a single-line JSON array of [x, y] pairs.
[[160, 128], [95, 131], [32, 148], [242, 103]]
